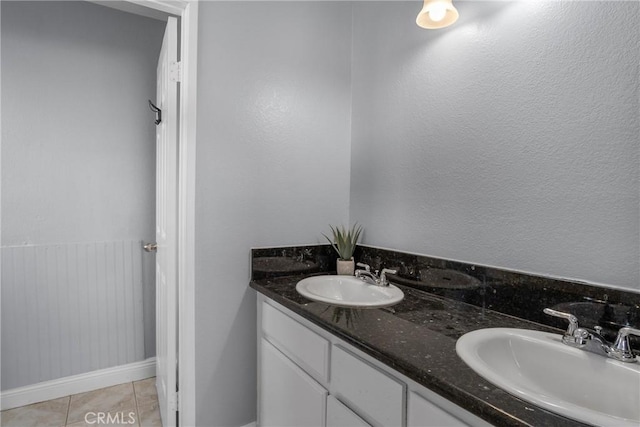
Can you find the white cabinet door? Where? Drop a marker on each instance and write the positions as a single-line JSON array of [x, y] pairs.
[[338, 415], [423, 413], [287, 395]]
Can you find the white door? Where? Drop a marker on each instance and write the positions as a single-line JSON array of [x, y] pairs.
[[167, 226]]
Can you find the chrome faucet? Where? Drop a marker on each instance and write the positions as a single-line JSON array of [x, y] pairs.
[[621, 349], [592, 340], [372, 278]]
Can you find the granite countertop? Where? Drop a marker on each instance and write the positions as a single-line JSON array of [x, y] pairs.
[[417, 337]]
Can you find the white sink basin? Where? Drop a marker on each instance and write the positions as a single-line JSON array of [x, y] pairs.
[[348, 291], [537, 367]]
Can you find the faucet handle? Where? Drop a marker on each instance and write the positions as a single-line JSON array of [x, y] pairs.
[[573, 320], [621, 350], [366, 267], [383, 275]]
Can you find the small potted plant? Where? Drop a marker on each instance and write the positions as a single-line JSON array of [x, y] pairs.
[[344, 242]]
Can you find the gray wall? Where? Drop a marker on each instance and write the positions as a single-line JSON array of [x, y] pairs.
[[272, 169], [509, 139], [78, 142]]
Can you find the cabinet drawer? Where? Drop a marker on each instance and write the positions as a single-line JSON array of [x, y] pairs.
[[374, 395], [306, 348]]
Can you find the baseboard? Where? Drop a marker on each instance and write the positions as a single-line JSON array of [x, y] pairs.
[[253, 424], [75, 384]]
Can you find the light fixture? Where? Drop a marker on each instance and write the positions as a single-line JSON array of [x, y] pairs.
[[437, 14]]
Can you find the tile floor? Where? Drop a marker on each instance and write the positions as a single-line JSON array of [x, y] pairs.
[[132, 404]]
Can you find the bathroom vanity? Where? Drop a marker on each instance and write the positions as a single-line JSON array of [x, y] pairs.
[[310, 377], [321, 365]]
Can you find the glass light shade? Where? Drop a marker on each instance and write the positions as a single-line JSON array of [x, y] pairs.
[[437, 14]]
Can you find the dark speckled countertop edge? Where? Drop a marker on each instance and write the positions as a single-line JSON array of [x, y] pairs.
[[496, 406]]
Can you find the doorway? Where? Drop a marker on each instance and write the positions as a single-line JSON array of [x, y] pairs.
[[78, 189], [45, 222], [39, 116]]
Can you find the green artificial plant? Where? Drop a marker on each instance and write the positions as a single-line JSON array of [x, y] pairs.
[[344, 241]]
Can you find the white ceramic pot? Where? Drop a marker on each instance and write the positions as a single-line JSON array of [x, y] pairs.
[[345, 267]]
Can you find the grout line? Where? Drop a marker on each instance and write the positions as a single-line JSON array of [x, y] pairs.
[[135, 397], [66, 418]]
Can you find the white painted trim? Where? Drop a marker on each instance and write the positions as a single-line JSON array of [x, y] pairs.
[[187, 10], [253, 424], [75, 384], [133, 8], [156, 9], [186, 216], [176, 7], [1, 164]]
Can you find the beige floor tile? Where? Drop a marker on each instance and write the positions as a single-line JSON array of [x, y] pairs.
[[146, 391], [149, 415], [52, 413], [110, 400]]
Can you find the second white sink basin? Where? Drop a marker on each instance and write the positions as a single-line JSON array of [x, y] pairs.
[[537, 367], [348, 291]]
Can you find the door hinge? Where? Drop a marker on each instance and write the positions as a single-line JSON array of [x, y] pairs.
[[174, 403], [175, 71]]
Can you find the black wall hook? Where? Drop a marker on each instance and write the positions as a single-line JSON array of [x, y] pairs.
[[157, 111]]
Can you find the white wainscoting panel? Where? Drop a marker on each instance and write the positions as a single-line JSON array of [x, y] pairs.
[[69, 309]]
